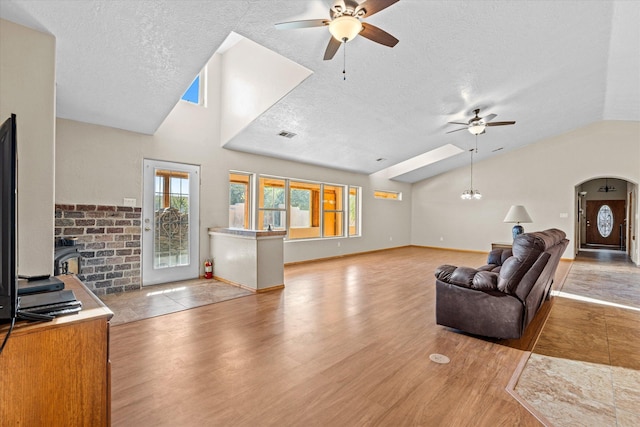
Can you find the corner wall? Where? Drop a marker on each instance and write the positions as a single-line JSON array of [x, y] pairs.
[[27, 88]]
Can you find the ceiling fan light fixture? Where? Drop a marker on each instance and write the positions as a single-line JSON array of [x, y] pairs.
[[345, 28], [476, 128]]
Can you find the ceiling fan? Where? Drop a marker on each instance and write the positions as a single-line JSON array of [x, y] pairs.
[[476, 125], [346, 23]]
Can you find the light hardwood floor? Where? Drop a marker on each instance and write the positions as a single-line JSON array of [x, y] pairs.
[[347, 342]]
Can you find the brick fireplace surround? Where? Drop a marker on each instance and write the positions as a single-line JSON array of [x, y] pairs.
[[109, 240]]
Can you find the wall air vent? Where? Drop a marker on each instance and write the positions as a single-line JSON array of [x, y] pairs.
[[287, 134]]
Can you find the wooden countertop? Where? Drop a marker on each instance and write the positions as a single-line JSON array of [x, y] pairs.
[[92, 308]]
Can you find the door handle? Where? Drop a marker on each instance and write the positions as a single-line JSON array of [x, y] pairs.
[[147, 228]]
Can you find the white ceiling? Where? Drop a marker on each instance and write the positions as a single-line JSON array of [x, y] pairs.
[[553, 66]]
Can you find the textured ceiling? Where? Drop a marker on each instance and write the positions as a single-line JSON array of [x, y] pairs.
[[552, 66]]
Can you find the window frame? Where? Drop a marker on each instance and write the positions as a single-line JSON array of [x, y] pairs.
[[315, 220], [338, 213], [358, 211], [343, 212], [248, 199], [387, 195], [260, 209]]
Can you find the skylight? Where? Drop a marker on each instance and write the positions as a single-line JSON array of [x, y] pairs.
[[420, 161]]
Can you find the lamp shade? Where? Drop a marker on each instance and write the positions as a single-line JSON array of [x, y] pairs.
[[517, 214], [345, 28]]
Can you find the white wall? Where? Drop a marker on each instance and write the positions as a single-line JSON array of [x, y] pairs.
[[254, 78], [99, 165], [27, 88], [542, 177]]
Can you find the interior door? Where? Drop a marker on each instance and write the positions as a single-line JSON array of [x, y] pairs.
[[170, 241], [604, 221]]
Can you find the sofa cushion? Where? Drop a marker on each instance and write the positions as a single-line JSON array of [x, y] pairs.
[[444, 272], [496, 258], [485, 281]]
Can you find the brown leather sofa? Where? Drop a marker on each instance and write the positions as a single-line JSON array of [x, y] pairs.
[[501, 298]]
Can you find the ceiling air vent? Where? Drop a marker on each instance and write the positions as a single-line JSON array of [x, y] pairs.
[[287, 134]]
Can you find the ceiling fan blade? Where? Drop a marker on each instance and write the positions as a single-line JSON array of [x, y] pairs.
[[500, 123], [377, 35], [456, 130], [374, 6], [459, 123], [490, 117], [332, 48], [308, 23]]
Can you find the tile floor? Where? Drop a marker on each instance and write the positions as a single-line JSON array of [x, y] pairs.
[[585, 367], [157, 300]]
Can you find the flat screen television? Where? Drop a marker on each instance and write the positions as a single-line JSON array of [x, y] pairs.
[[8, 220]]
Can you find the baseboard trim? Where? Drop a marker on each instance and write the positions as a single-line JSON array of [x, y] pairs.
[[473, 251], [272, 288], [245, 287], [344, 255]]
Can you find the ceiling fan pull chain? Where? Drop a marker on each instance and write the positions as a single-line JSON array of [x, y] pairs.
[[344, 59]]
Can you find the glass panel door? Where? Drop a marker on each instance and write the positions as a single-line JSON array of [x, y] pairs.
[[170, 222]]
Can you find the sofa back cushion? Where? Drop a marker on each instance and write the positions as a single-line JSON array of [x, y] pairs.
[[526, 250]]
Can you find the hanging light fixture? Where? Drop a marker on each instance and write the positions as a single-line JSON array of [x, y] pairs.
[[345, 28], [606, 188], [472, 193], [477, 127]]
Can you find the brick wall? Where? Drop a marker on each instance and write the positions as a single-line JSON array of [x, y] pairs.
[[109, 239]]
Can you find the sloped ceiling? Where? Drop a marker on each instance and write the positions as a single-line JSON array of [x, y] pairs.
[[552, 66]]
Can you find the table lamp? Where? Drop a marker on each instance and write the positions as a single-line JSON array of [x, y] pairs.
[[517, 214]]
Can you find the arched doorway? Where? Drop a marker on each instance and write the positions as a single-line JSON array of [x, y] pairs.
[[606, 209]]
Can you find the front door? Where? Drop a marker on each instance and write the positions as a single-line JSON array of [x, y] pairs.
[[604, 222], [170, 222]]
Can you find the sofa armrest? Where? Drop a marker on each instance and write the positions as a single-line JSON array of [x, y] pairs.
[[467, 277], [487, 313]]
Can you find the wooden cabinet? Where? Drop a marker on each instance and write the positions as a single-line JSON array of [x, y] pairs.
[[58, 373]]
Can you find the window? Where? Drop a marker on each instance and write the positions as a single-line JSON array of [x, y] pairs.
[[171, 218], [389, 195], [195, 93], [332, 203], [605, 221], [272, 211], [354, 211], [239, 200], [304, 210], [171, 190]]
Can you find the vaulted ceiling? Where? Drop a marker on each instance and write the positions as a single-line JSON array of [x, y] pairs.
[[552, 66]]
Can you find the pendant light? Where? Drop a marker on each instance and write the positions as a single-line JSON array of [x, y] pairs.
[[472, 193]]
